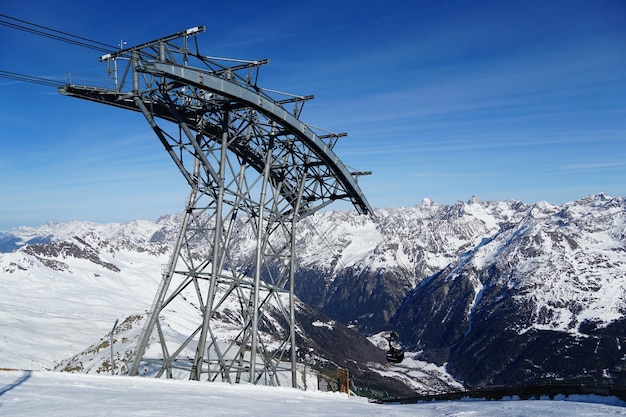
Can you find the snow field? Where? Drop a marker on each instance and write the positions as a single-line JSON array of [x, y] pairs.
[[51, 394]]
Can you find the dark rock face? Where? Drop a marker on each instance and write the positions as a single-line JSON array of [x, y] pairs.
[[346, 347], [501, 292], [366, 299], [49, 253], [429, 322], [538, 356]]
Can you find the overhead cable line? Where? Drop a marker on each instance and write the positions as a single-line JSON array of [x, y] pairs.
[[55, 34], [50, 33], [31, 79]]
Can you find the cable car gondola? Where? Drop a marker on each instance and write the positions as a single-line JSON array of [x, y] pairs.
[[394, 354]]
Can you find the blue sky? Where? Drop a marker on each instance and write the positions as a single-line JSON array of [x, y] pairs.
[[520, 100]]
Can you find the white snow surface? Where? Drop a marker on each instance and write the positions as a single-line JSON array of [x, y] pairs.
[[572, 254], [338, 236], [48, 394], [53, 307]]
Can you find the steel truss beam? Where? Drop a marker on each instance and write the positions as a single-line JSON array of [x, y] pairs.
[[253, 169]]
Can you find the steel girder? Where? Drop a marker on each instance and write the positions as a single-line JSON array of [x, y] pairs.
[[254, 169]]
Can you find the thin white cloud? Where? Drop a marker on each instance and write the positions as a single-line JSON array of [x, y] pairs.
[[594, 166]]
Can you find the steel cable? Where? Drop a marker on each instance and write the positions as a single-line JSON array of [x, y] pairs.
[[30, 79], [55, 34], [50, 33]]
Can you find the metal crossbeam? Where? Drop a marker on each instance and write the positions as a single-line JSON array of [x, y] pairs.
[[253, 169]]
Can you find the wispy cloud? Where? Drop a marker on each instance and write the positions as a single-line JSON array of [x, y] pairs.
[[598, 166]]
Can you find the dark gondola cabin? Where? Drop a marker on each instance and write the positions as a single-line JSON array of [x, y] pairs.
[[394, 354]]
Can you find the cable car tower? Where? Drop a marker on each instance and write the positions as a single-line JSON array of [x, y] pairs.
[[253, 168]]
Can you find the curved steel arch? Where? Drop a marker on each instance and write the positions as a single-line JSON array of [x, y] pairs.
[[204, 80], [254, 169], [336, 173]]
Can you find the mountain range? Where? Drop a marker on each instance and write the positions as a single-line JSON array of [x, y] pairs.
[[482, 293]]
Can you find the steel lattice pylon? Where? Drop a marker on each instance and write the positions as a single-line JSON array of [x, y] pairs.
[[253, 168]]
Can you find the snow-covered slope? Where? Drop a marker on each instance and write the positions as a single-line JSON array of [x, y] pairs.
[[51, 394], [59, 297], [567, 262], [63, 295]]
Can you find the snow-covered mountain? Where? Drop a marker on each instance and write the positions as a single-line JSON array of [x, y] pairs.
[[361, 269], [495, 292], [542, 298], [500, 292], [62, 295]]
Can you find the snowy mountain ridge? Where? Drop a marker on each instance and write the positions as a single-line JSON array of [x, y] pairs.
[[511, 285], [138, 231], [583, 252], [542, 298]]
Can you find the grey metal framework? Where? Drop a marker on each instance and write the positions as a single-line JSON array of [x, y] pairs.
[[253, 167]]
